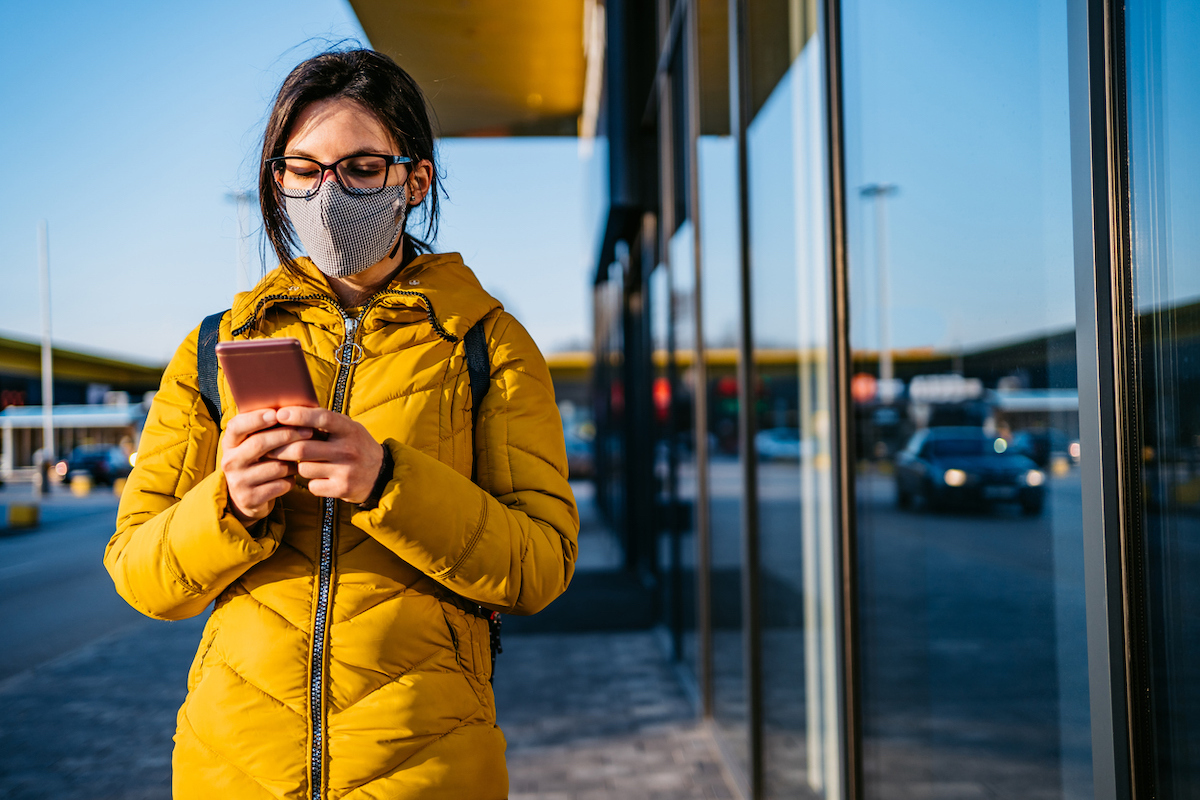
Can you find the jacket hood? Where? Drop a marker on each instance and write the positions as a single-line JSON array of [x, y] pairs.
[[439, 284]]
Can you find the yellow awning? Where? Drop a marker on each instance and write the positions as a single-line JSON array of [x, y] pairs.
[[489, 68], [24, 359]]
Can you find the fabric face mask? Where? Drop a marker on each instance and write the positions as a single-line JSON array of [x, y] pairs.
[[346, 233]]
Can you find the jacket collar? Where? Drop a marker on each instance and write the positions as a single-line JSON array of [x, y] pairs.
[[437, 283]]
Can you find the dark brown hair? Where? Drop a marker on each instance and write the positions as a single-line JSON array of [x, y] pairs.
[[378, 84]]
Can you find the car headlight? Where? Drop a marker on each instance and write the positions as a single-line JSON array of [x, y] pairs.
[[1035, 477], [133, 459], [954, 477]]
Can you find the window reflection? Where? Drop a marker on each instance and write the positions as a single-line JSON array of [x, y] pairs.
[[797, 543], [1164, 121], [726, 489], [683, 611], [965, 402]]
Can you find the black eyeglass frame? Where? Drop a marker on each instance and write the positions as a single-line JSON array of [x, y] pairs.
[[389, 162]]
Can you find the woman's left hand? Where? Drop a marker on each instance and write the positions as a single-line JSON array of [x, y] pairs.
[[344, 466]]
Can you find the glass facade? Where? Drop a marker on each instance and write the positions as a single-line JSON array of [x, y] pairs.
[[687, 380], [969, 527], [1163, 125], [726, 488], [891, 312], [786, 184]]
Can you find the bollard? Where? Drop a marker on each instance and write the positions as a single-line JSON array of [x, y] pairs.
[[22, 515], [118, 486], [81, 485]]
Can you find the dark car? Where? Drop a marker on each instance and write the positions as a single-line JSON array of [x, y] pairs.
[[103, 462], [966, 467], [580, 462], [1041, 445]]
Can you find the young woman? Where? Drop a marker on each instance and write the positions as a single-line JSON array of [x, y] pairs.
[[347, 551]]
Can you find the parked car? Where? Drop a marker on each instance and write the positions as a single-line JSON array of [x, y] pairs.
[[1041, 445], [103, 462], [782, 444], [580, 459], [778, 444], [966, 467]]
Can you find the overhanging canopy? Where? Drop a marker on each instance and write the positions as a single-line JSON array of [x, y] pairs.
[[489, 68]]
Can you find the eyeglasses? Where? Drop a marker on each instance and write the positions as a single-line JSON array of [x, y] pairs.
[[362, 174]]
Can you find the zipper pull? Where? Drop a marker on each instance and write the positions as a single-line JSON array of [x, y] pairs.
[[351, 352]]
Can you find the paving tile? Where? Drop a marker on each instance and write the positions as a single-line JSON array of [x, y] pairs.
[[587, 717]]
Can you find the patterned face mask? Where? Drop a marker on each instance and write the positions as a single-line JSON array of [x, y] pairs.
[[346, 233]]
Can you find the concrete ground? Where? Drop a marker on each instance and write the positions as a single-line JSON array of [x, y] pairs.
[[588, 715]]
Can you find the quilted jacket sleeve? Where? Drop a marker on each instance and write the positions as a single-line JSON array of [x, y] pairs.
[[177, 546], [509, 542]]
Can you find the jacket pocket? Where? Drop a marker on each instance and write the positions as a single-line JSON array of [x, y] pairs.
[[469, 646], [196, 672]]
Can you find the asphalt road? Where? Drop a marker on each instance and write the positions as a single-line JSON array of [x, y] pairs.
[[55, 595], [972, 643]]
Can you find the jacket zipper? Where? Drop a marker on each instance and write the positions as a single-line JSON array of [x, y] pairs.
[[245, 326], [317, 686], [433, 320], [346, 361], [429, 313]]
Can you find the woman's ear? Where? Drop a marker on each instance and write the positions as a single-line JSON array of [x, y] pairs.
[[420, 179]]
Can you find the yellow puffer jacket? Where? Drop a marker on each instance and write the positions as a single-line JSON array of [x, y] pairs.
[[338, 661]]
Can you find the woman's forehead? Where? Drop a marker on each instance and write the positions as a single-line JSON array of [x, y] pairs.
[[338, 124]]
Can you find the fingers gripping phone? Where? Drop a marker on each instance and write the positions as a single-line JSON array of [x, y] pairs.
[[267, 373]]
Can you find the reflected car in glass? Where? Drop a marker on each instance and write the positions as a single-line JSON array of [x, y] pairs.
[[580, 461], [780, 444], [104, 463], [966, 468], [1043, 444]]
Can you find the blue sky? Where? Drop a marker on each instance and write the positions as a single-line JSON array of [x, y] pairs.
[[127, 124], [126, 128], [964, 107]]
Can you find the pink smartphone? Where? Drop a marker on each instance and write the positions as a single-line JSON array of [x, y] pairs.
[[267, 373]]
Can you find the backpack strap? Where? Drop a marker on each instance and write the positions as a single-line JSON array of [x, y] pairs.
[[478, 366], [480, 371], [206, 364]]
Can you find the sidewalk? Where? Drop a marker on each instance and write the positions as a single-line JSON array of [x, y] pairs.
[[600, 716], [593, 715]]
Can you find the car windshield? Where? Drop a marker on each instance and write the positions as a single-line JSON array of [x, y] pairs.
[[960, 447]]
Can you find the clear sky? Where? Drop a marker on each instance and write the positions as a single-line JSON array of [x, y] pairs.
[[127, 123]]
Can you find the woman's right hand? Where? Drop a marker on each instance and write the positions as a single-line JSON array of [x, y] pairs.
[[254, 481]]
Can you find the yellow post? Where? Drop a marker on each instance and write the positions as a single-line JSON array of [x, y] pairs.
[[23, 515]]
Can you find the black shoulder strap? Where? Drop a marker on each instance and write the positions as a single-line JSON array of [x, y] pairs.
[[480, 370], [478, 366], [206, 364]]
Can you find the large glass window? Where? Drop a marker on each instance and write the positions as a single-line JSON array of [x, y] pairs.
[[1164, 126], [726, 490], [681, 398], [789, 269], [968, 524], [608, 399], [720, 292]]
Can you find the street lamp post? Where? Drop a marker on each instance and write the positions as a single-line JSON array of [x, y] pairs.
[[47, 360], [879, 192]]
